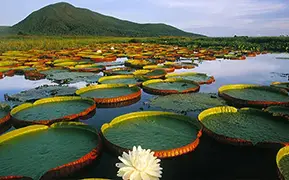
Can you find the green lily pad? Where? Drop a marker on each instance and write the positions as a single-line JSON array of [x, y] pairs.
[[65, 77], [284, 85], [278, 111], [247, 125], [110, 93], [42, 92], [187, 102], [120, 79], [159, 131], [254, 95], [192, 76], [170, 86], [35, 151], [50, 110]]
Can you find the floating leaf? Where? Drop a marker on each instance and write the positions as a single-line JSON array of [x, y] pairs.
[[187, 102]]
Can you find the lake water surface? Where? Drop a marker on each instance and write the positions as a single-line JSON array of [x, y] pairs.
[[211, 160]]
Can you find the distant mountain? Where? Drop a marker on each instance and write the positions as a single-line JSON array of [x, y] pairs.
[[65, 19]]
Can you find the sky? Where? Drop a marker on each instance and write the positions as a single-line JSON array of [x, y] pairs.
[[208, 17]]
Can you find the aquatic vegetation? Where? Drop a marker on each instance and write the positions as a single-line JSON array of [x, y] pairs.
[[284, 85], [41, 92], [280, 111], [50, 110], [110, 93], [120, 79], [167, 134], [246, 126], [170, 86], [119, 71], [187, 102], [253, 95], [192, 76], [282, 162], [66, 77], [64, 147]]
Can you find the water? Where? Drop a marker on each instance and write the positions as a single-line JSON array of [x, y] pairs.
[[211, 160]]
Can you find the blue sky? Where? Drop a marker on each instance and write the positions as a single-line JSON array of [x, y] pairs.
[[209, 17]]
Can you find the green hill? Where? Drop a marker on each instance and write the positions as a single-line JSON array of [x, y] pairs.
[[65, 19]]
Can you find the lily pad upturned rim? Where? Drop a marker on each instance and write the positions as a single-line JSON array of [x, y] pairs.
[[284, 151], [209, 81], [275, 84], [4, 120], [166, 91], [21, 123], [128, 97], [271, 110], [243, 102], [161, 153], [104, 78], [65, 169], [6, 117], [230, 140]]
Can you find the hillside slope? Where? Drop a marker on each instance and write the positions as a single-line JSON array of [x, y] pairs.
[[65, 19]]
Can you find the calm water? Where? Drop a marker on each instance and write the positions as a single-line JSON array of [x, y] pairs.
[[211, 160]]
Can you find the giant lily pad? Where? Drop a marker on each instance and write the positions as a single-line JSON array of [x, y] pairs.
[[170, 86], [65, 77], [110, 93], [187, 102], [50, 110], [282, 160], [284, 85], [42, 92], [253, 95], [245, 126], [192, 76], [278, 111], [167, 134], [120, 79], [48, 152]]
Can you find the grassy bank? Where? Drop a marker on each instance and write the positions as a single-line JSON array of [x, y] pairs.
[[272, 44]]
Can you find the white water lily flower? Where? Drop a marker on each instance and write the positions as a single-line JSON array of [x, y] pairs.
[[139, 164], [98, 51], [112, 48]]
